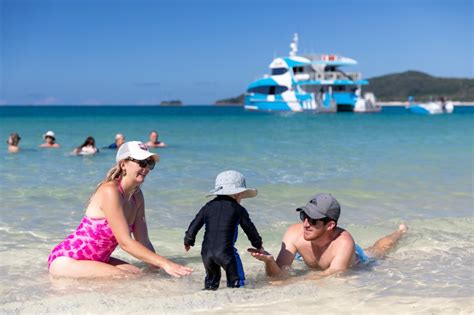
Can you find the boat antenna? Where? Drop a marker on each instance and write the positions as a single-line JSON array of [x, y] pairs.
[[294, 45]]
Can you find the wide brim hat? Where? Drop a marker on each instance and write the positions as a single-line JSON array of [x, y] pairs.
[[231, 183], [135, 150]]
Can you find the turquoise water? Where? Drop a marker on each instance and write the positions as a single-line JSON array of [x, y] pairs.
[[383, 168]]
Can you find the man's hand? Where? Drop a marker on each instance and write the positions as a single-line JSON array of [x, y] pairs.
[[261, 254]]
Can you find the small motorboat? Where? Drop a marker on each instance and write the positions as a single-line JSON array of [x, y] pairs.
[[431, 108]]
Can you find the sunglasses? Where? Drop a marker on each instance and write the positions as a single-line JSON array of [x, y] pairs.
[[144, 163], [311, 221]]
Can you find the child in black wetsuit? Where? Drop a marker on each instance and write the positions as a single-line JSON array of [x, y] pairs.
[[222, 217]]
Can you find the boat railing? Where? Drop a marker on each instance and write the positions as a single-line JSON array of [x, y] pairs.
[[335, 75]]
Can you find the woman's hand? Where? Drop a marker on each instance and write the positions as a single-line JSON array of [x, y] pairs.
[[176, 270]]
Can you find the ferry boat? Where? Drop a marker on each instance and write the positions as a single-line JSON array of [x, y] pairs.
[[309, 83]]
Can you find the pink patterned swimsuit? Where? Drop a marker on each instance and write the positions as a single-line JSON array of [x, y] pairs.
[[92, 240]]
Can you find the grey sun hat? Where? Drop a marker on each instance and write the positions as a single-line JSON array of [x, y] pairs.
[[231, 183], [321, 206]]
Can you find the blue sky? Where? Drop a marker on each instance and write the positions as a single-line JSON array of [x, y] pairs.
[[143, 52]]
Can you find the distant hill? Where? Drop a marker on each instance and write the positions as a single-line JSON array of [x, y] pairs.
[[171, 103], [238, 100], [397, 87], [422, 86]]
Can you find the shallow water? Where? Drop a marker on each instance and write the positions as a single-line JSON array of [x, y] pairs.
[[383, 168]]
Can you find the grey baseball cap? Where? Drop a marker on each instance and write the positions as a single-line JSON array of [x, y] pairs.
[[321, 206]]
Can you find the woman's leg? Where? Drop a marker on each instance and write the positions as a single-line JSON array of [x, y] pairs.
[[385, 244], [69, 267], [123, 265]]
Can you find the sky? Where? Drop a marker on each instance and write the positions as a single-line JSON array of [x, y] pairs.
[[142, 52]]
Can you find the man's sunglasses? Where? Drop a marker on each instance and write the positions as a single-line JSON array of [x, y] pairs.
[[144, 163], [304, 216]]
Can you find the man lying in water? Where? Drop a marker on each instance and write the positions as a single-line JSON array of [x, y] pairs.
[[321, 243]]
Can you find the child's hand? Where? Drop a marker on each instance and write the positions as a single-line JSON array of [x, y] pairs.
[[187, 247]]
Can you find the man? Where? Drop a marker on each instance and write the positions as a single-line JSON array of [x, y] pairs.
[[321, 243], [119, 140], [49, 140], [153, 141]]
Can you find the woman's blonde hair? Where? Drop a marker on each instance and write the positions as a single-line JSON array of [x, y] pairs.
[[113, 174]]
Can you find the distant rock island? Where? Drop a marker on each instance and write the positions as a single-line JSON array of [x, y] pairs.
[[233, 101], [171, 103], [397, 87]]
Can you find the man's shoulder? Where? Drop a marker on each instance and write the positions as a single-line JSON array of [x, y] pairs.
[[293, 232], [343, 239]]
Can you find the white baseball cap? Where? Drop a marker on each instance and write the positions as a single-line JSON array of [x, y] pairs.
[[49, 134], [135, 150]]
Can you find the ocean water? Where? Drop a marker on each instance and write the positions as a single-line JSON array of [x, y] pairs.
[[384, 169]]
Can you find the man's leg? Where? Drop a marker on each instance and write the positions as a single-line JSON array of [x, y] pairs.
[[385, 244]]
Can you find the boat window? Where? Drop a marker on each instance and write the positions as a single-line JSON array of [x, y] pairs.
[[339, 88], [298, 70], [268, 89], [277, 71]]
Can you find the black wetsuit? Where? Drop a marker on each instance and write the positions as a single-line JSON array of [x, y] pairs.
[[222, 217]]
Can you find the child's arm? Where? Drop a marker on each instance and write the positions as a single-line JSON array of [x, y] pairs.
[[193, 229], [250, 229]]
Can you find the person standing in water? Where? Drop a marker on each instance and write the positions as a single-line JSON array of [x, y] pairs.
[[13, 142], [49, 140], [222, 217], [115, 212], [154, 142]]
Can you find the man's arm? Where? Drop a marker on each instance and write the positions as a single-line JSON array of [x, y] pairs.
[[286, 256]]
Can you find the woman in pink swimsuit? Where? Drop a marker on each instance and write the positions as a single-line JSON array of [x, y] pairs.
[[116, 211]]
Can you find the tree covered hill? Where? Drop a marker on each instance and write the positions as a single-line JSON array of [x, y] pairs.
[[397, 87], [422, 86]]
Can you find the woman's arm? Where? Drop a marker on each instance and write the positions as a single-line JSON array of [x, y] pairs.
[[113, 209], [140, 229]]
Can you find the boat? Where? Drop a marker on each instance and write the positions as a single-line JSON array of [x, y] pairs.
[[310, 83], [431, 108]]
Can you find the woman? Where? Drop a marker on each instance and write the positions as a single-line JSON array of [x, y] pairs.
[[13, 142], [87, 148], [115, 211]]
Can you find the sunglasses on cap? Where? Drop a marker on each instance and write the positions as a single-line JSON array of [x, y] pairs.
[[144, 163], [311, 221]]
